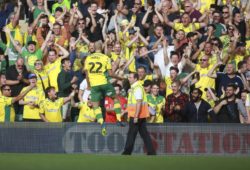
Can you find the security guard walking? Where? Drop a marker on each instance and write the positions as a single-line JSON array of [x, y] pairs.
[[137, 113]]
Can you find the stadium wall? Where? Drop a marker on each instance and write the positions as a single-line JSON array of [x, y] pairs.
[[168, 139]]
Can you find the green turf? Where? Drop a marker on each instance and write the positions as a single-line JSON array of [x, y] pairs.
[[117, 162]]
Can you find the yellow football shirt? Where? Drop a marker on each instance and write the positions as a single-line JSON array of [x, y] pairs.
[[168, 82], [42, 76], [52, 109], [53, 69], [189, 28], [36, 95], [97, 65], [86, 113], [16, 33], [205, 5], [147, 77], [7, 112], [204, 81]]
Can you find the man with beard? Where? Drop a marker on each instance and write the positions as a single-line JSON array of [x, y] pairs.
[[230, 108], [197, 109]]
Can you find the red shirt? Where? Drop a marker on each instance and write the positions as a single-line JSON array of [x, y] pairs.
[[110, 117]]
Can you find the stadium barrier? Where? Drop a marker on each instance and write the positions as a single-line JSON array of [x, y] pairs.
[[168, 139]]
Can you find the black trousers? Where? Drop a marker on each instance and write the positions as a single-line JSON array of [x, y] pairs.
[[132, 133]]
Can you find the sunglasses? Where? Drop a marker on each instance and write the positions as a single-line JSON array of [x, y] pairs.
[[203, 59], [38, 64]]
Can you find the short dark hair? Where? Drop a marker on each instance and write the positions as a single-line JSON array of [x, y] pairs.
[[241, 63], [232, 85], [141, 67], [118, 85], [136, 76], [48, 89], [174, 53], [64, 60], [53, 50], [59, 9], [147, 83], [174, 68], [3, 87], [197, 89]]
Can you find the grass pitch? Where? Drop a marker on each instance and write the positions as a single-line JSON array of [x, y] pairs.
[[117, 162]]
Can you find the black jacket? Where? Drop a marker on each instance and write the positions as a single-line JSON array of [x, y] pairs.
[[192, 115]]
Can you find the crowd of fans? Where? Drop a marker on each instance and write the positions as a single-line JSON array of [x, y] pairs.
[[191, 56]]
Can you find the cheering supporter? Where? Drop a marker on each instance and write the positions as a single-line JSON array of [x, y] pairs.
[[175, 46], [31, 100], [50, 108], [156, 105], [110, 116], [7, 113], [66, 80], [86, 111], [230, 108]]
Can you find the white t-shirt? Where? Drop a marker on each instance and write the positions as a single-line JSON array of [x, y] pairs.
[[138, 94], [170, 64], [86, 92]]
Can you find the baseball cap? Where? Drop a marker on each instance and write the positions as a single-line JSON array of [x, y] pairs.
[[31, 42], [32, 75]]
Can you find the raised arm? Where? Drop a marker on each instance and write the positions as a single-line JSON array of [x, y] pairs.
[[211, 73], [144, 20], [158, 42], [17, 14], [67, 99], [46, 40], [46, 9], [143, 39], [167, 22], [65, 52], [93, 21], [31, 5], [21, 95], [116, 26], [104, 28], [130, 43], [185, 79], [159, 14], [165, 52], [17, 47]]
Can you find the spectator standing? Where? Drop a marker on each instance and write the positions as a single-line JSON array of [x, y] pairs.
[[138, 113], [197, 110], [230, 108], [175, 103], [110, 116], [16, 78], [31, 100], [7, 112], [50, 108], [66, 81]]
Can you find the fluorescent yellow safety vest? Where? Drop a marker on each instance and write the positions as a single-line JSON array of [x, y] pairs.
[[144, 113]]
